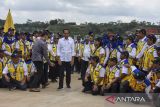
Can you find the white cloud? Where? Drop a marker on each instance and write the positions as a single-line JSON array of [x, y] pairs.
[[81, 10]]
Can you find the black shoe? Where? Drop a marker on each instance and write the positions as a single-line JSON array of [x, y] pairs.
[[68, 86], [34, 90], [12, 88], [59, 88]]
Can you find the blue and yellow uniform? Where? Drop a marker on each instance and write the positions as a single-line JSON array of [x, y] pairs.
[[110, 74], [140, 45], [148, 58], [135, 84], [95, 73], [16, 73], [101, 56], [124, 71], [130, 49]]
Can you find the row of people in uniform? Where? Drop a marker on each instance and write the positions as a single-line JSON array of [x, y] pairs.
[[23, 47], [143, 51], [16, 72], [120, 77]]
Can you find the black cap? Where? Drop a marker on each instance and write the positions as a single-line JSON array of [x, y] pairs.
[[139, 76]]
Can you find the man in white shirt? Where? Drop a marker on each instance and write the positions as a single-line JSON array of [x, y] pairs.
[[85, 55], [66, 53]]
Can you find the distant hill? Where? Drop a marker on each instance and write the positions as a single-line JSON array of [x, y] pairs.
[[58, 25]]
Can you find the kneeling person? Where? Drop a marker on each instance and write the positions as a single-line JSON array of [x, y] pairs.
[[94, 77], [137, 83], [31, 70], [111, 83], [15, 73]]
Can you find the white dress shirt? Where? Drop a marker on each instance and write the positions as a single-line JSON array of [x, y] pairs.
[[65, 49], [5, 70], [86, 52]]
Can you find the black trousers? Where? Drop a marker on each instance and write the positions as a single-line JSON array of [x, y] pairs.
[[37, 76], [65, 66], [77, 64], [88, 86], [44, 77], [1, 83], [14, 83], [84, 66], [54, 71], [125, 88], [29, 82], [113, 89]]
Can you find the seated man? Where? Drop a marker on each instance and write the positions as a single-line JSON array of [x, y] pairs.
[[137, 83], [124, 70], [15, 73], [111, 83], [94, 77], [31, 70]]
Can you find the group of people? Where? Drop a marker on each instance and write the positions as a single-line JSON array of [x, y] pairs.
[[112, 64], [108, 64]]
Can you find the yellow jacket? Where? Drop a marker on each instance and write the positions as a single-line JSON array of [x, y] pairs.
[[94, 72], [148, 58], [16, 73]]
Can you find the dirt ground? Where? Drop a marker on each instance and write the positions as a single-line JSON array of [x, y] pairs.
[[50, 97]]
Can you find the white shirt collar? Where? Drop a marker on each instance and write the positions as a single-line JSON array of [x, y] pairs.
[[130, 44], [66, 39], [143, 39]]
